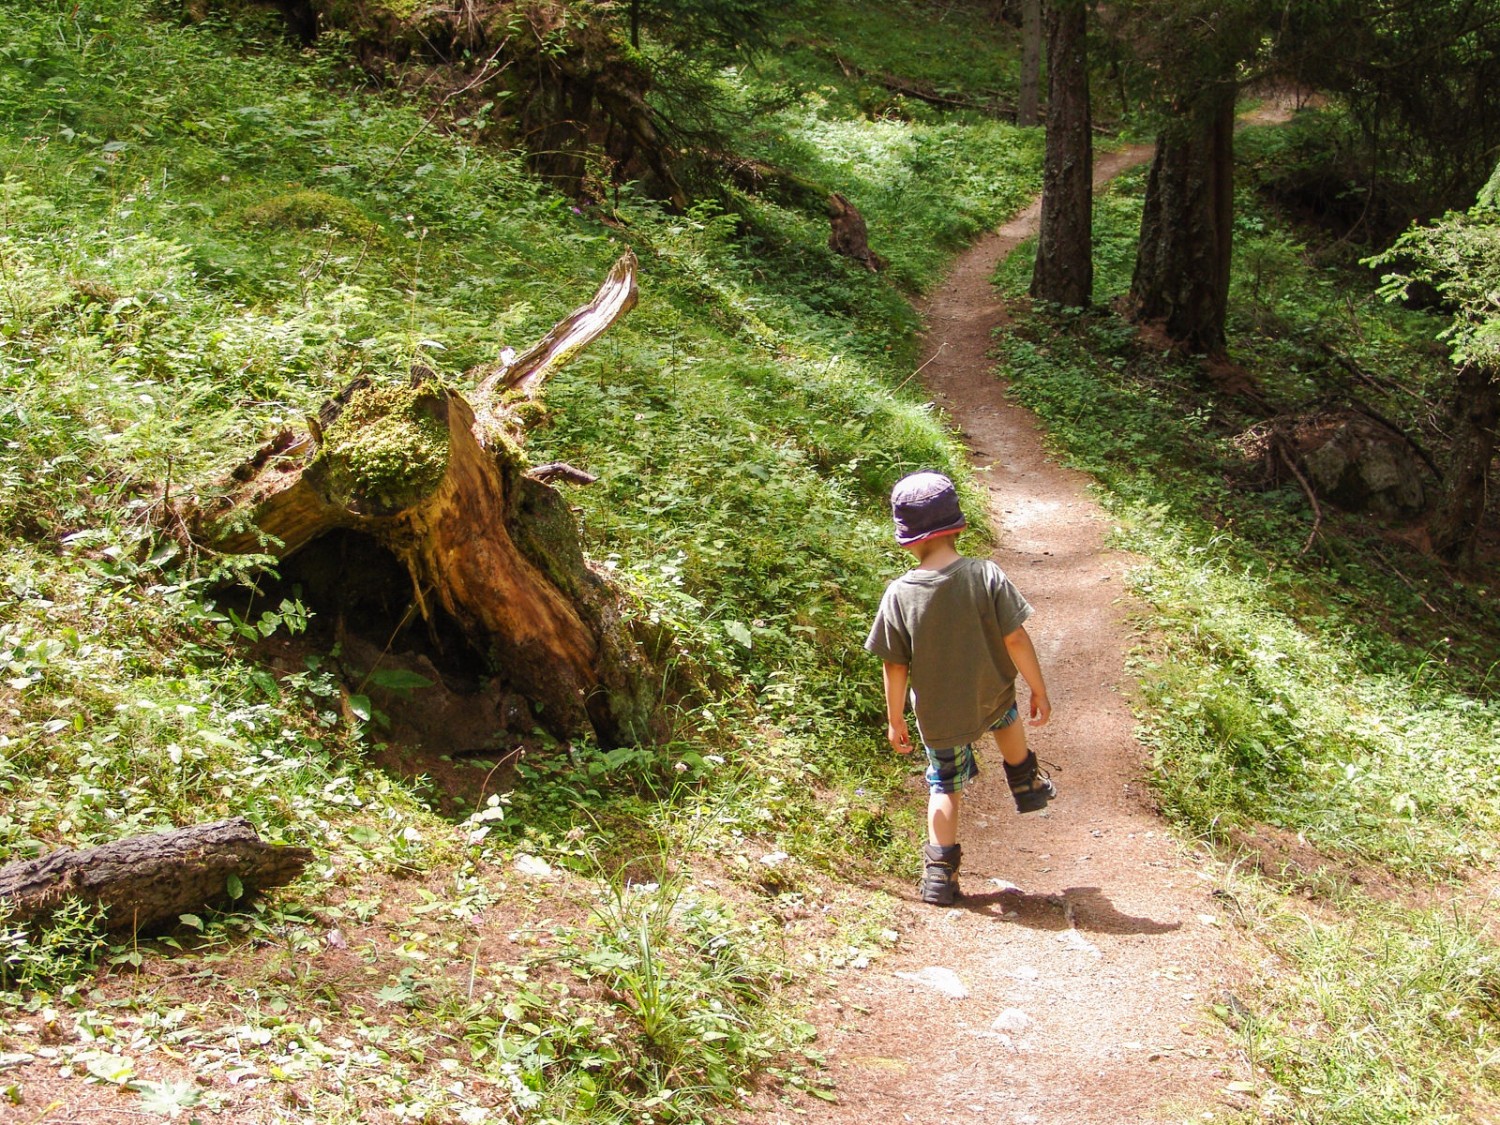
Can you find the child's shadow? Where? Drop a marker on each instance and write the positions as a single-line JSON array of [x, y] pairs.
[[1076, 908]]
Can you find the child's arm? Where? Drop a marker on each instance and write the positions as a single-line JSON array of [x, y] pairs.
[[1023, 655], [895, 676]]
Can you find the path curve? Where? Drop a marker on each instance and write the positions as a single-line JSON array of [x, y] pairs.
[[1089, 944]]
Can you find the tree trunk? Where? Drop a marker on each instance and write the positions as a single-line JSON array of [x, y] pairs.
[[1181, 276], [1064, 271], [1454, 527], [1031, 61], [145, 882], [445, 489]]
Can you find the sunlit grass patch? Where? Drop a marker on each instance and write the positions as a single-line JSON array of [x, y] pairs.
[[1253, 715], [1271, 697], [1378, 1014], [925, 188], [966, 48]]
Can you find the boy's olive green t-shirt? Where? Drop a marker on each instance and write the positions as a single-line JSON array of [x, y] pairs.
[[949, 626]]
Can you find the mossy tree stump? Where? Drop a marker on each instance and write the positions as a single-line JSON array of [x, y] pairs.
[[444, 486]]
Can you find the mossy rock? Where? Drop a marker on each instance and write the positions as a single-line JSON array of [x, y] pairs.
[[308, 209]]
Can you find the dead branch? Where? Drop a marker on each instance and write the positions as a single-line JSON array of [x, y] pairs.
[[1378, 382], [993, 107], [560, 470], [1281, 448], [569, 336]]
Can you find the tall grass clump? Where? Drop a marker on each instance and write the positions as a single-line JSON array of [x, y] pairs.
[[1382, 1015], [667, 1008]]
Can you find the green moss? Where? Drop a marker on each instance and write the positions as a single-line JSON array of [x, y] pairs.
[[547, 532], [388, 449], [307, 209], [363, 12]]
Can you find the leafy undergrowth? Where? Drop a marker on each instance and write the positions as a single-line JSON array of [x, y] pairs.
[[1333, 690], [908, 166], [204, 234], [965, 49]]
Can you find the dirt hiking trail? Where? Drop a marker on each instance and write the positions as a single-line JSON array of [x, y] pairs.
[[1073, 981]]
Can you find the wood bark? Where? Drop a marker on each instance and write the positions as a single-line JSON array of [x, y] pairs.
[[1454, 527], [444, 486], [1181, 279], [1031, 62], [146, 882], [850, 236], [1064, 270], [774, 182], [570, 335]]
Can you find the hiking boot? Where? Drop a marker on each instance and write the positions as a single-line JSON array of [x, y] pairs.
[[1029, 785], [940, 873]]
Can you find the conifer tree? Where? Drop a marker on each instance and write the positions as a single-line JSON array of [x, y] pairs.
[[1193, 53], [1064, 272]]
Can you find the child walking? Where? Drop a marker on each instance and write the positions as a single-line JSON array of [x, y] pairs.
[[951, 633]]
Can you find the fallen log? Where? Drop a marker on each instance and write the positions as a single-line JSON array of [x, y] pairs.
[[848, 231], [993, 106], [145, 883]]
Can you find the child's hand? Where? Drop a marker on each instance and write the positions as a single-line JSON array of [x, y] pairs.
[[1041, 709], [899, 736]]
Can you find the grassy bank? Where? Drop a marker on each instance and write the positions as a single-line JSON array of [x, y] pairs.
[[202, 235]]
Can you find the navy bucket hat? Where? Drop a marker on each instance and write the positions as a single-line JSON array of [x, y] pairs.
[[925, 505]]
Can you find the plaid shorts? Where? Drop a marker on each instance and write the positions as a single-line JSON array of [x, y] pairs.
[[948, 771]]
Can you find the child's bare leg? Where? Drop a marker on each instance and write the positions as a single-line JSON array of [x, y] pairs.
[[942, 818], [1011, 741]]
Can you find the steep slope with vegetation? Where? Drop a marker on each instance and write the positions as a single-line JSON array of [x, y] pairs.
[[208, 228], [205, 234]]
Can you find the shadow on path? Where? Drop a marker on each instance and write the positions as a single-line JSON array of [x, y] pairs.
[[1077, 908]]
